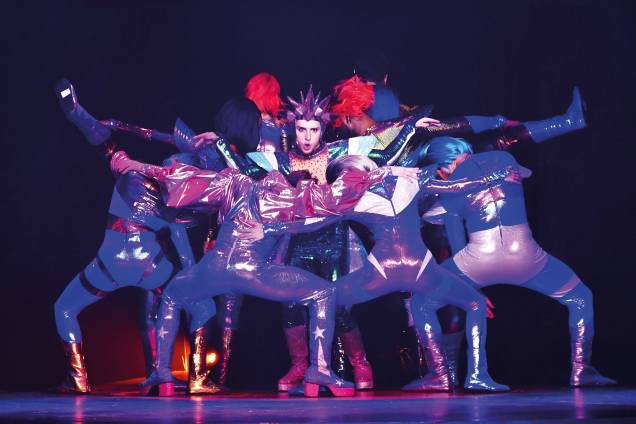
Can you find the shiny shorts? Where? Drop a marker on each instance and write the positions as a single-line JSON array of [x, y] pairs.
[[501, 255]]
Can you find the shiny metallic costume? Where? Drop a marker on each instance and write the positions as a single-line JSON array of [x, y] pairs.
[[501, 250], [273, 137], [239, 265], [323, 252], [399, 261], [490, 138], [258, 164], [133, 253], [98, 132]]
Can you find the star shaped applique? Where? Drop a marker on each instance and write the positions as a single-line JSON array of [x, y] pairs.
[[319, 333], [162, 333]]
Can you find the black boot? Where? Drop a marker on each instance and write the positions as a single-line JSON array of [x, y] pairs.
[[452, 344], [225, 354]]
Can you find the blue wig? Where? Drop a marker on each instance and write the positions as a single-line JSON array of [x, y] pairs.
[[441, 151]]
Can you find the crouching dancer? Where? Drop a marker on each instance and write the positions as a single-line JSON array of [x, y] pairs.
[[501, 250], [240, 264], [399, 261], [135, 252]]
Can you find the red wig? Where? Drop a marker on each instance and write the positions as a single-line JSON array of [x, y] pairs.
[[353, 98], [264, 90]]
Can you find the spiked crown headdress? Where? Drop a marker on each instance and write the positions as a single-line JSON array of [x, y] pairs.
[[309, 107]]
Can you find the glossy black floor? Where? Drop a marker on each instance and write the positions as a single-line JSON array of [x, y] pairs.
[[119, 403]]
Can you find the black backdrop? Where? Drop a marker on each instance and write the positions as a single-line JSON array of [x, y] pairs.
[[148, 62]]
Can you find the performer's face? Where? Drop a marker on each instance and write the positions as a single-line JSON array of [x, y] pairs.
[[307, 135]]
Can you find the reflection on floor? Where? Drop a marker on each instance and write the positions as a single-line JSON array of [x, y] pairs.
[[120, 403]]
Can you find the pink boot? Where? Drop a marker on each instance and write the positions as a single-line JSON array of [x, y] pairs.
[[354, 348], [299, 352]]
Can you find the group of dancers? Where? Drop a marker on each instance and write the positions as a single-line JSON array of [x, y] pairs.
[[279, 202]]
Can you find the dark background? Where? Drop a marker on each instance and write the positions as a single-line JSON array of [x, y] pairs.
[[149, 62]]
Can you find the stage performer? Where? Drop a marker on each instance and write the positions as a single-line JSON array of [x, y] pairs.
[[399, 261], [320, 252], [354, 97], [135, 252], [501, 250], [238, 118], [240, 265], [352, 104]]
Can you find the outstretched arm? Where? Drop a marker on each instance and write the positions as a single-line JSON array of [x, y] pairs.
[[391, 153], [188, 186], [279, 202], [463, 126], [429, 184]]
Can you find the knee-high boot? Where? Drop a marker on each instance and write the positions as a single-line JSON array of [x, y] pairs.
[[354, 348], [167, 328], [94, 131], [573, 119], [224, 356], [452, 344], [298, 352], [583, 373], [478, 378], [198, 381], [321, 331], [580, 304], [228, 308], [77, 378], [437, 379]]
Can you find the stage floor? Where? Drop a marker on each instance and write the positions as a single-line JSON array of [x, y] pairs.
[[560, 405]]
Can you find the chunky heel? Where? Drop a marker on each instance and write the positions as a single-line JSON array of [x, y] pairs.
[[166, 389], [311, 390]]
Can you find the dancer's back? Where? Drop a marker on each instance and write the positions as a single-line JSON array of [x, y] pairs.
[[501, 203], [389, 209]]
